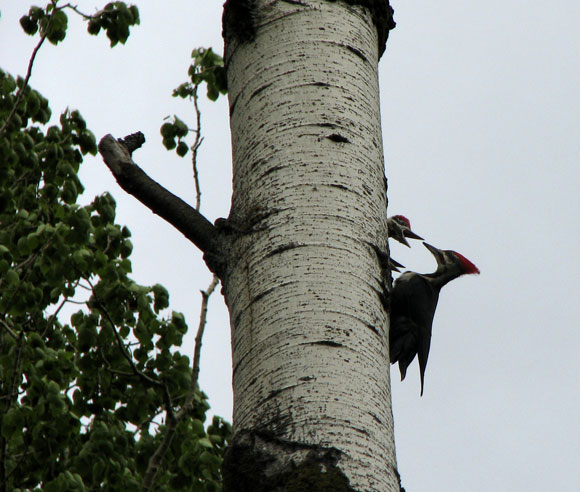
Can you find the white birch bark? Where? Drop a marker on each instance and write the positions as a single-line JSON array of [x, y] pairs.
[[308, 327]]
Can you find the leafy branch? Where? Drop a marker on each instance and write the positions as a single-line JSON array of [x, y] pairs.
[[173, 419], [178, 128], [101, 306], [115, 19], [71, 393], [24, 83], [207, 67]]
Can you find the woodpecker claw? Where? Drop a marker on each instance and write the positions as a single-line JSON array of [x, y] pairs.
[[395, 265]]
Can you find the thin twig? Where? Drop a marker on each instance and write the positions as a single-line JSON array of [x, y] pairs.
[[24, 85], [75, 8], [124, 350], [113, 371], [197, 347], [170, 417], [53, 316], [8, 329], [157, 457], [195, 147], [174, 419], [146, 422], [80, 303], [35, 255]]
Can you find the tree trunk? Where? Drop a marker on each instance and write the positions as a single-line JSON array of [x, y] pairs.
[[305, 284]]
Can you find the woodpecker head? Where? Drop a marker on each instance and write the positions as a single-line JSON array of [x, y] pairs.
[[400, 229], [451, 263]]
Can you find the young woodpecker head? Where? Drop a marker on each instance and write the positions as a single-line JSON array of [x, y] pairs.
[[400, 229]]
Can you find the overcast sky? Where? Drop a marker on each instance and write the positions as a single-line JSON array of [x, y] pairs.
[[481, 126]]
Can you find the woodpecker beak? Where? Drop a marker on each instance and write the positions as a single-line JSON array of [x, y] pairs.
[[412, 235], [435, 252], [402, 240]]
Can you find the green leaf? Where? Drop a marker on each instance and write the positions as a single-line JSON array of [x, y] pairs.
[[169, 143], [161, 297], [167, 130], [5, 252], [204, 442], [212, 92], [88, 143], [94, 27], [182, 149], [29, 25], [11, 278], [57, 27], [180, 128], [12, 422]]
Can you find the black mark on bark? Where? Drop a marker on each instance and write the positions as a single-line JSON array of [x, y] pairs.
[[335, 137]]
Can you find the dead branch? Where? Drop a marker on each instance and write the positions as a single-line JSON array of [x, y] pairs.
[[193, 225]]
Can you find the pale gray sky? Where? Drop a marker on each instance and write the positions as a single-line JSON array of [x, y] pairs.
[[481, 120]]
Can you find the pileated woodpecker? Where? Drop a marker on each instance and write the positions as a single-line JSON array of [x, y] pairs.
[[400, 229], [413, 303]]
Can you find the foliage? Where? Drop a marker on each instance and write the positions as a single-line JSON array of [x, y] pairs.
[[207, 67], [82, 401], [176, 129], [115, 19], [51, 22]]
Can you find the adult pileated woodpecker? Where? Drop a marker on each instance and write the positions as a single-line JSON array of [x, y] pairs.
[[400, 229], [413, 302]]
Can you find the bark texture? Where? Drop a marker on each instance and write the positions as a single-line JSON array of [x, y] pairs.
[[304, 284]]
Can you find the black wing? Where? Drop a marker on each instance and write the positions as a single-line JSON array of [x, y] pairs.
[[403, 343], [413, 304]]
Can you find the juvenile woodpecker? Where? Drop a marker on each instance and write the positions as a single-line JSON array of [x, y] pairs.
[[400, 229], [413, 303]]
